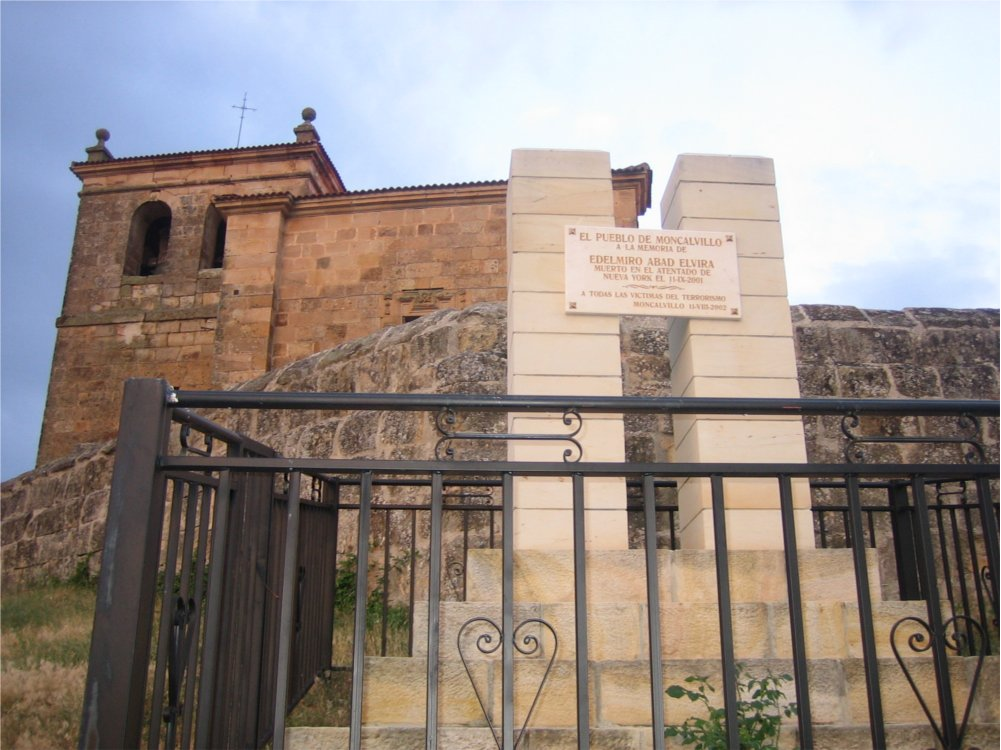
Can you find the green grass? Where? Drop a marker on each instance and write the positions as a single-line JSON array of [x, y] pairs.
[[44, 648]]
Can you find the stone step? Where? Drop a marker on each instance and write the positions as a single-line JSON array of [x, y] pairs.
[[851, 737], [619, 576], [395, 692], [620, 631]]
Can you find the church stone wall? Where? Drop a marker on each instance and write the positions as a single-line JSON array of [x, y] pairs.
[[53, 517], [344, 275]]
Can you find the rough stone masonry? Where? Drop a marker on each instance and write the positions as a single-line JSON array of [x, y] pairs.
[[53, 517]]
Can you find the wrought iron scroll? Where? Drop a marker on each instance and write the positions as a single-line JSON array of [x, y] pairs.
[[985, 576], [177, 662], [446, 420], [186, 447], [854, 453], [967, 639], [488, 642]]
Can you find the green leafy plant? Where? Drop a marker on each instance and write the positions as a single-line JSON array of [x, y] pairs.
[[761, 705], [397, 615]]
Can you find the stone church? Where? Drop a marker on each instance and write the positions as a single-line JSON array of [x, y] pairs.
[[210, 268], [257, 268]]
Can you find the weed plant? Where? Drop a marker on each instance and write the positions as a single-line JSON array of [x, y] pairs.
[[761, 706]]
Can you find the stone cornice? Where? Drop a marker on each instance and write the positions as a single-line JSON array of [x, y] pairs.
[[231, 205], [446, 195], [638, 180], [324, 175]]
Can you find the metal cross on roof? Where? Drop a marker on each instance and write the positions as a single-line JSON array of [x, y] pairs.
[[243, 111]]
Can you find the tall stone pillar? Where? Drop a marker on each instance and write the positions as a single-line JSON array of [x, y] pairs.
[[750, 357], [552, 353]]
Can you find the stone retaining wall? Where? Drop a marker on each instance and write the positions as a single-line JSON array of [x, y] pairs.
[[53, 517]]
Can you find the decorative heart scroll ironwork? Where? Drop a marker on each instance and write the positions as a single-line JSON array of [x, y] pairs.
[[446, 419], [488, 642], [966, 639], [181, 633]]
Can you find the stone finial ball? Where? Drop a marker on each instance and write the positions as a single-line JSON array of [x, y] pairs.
[[103, 134], [309, 114]]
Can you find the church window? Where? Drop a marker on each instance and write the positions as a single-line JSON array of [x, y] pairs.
[[213, 240], [149, 237]]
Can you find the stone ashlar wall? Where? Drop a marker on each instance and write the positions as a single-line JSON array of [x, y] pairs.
[[301, 273], [53, 517]]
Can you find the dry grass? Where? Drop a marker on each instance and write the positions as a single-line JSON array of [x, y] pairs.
[[43, 664], [44, 645]]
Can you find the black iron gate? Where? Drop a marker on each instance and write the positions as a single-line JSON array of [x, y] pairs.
[[236, 598]]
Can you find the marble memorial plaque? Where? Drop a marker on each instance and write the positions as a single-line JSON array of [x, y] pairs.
[[678, 273]]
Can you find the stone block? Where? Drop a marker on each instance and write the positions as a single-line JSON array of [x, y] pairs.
[[560, 196], [753, 170], [556, 493], [564, 385], [560, 163], [722, 387], [760, 316], [555, 354], [733, 356], [691, 631], [545, 233], [755, 239], [536, 272], [557, 703], [387, 738], [736, 441], [747, 529], [396, 692], [615, 632], [759, 575], [722, 200], [543, 312], [613, 577]]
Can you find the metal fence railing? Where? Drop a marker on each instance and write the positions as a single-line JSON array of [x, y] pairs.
[[228, 570]]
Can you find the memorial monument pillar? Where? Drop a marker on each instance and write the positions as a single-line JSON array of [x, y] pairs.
[[750, 357], [552, 353]]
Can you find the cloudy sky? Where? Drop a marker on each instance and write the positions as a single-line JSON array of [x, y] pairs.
[[882, 118]]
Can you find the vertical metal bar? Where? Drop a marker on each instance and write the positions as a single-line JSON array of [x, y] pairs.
[[413, 579], [941, 513], [193, 656], [725, 615], [580, 614], [290, 567], [434, 607], [113, 713], [870, 660], [902, 526], [989, 522], [335, 488], [653, 612], [796, 627], [213, 611], [940, 656], [507, 616], [361, 600], [971, 542], [964, 589], [167, 602], [384, 599]]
